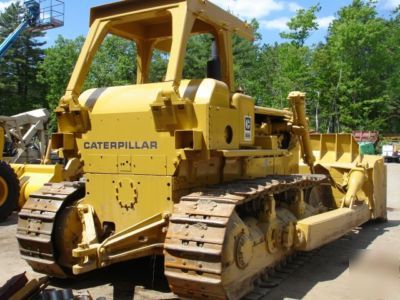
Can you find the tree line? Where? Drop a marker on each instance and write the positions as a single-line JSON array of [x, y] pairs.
[[351, 78]]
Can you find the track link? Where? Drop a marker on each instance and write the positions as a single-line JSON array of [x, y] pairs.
[[198, 230], [37, 226]]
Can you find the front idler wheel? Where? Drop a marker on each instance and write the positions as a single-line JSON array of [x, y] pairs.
[[9, 190]]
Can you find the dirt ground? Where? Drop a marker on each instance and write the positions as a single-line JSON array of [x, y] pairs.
[[326, 276]]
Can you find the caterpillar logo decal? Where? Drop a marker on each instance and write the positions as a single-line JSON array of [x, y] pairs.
[[247, 129], [120, 145]]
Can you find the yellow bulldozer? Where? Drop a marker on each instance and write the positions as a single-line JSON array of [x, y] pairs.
[[9, 184], [24, 162], [189, 169], [22, 147]]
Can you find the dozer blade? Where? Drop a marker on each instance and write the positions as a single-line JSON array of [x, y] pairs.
[[338, 155]]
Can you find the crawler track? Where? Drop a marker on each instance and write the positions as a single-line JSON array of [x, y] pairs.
[[200, 225], [37, 226]]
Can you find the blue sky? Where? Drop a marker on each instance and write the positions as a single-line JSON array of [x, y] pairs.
[[272, 15]]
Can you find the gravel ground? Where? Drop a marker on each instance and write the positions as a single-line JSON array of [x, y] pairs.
[[326, 276]]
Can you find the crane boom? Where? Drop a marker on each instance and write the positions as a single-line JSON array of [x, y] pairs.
[[9, 41]]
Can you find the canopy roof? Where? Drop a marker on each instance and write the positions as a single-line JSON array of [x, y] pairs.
[[151, 20], [165, 25]]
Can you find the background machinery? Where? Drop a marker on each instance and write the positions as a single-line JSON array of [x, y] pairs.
[[368, 141], [229, 202], [25, 136], [390, 145], [22, 136], [22, 140]]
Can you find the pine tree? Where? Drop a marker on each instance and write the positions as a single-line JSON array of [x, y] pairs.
[[19, 89]]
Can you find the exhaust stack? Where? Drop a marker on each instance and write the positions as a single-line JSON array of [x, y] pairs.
[[214, 64]]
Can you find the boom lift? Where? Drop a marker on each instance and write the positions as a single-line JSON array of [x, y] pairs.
[[36, 17], [229, 202], [31, 17], [39, 15]]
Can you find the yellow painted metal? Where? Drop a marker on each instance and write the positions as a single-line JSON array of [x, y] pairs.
[[119, 247], [30, 288], [140, 148], [318, 230], [164, 20], [192, 132], [300, 127], [3, 184], [33, 177], [356, 179], [375, 188], [3, 191], [335, 149], [273, 112], [338, 155]]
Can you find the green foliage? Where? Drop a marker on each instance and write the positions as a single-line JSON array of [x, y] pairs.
[[302, 25], [158, 67], [352, 79], [114, 64], [352, 67], [393, 79], [197, 55], [56, 68], [288, 70], [245, 58], [19, 89]]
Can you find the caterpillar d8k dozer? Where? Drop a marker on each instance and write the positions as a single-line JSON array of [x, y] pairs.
[[188, 169]]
